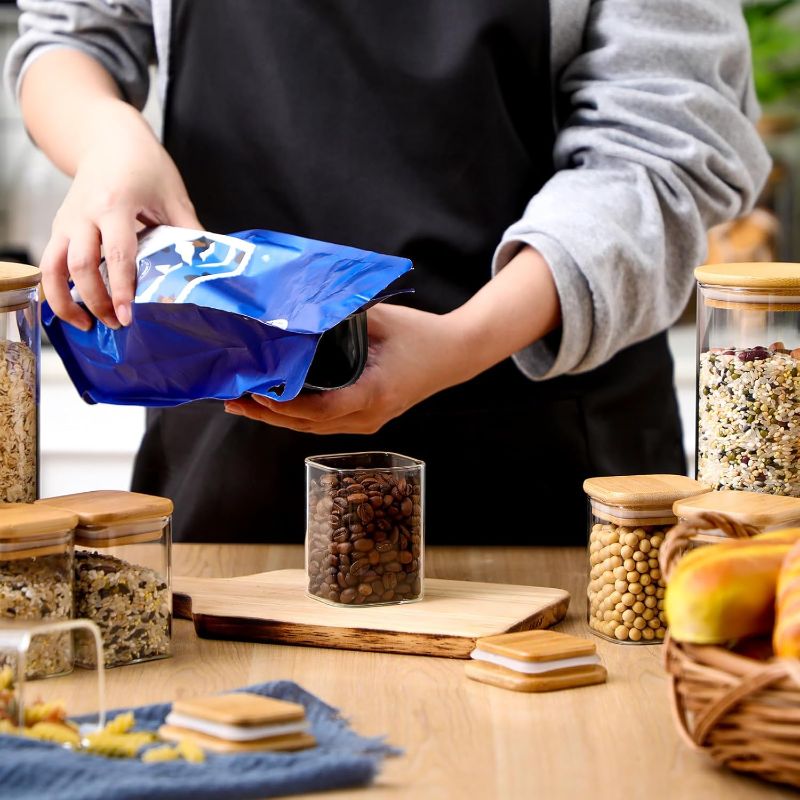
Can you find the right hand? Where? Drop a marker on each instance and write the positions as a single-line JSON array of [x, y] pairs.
[[122, 181]]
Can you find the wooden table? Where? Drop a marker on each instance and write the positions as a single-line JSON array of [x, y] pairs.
[[462, 739]]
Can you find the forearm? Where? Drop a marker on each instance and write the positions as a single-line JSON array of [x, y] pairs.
[[69, 102], [517, 307]]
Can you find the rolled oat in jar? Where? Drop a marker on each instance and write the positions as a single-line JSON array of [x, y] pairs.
[[19, 382], [629, 517], [36, 581], [748, 401], [122, 573]]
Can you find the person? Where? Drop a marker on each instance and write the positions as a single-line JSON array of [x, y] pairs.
[[550, 169]]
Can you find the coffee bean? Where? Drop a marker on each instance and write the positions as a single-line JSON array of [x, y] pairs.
[[384, 547], [348, 595], [406, 507], [365, 589], [357, 499], [387, 596], [405, 557], [344, 548], [374, 557], [363, 545], [394, 566], [386, 558], [366, 512]]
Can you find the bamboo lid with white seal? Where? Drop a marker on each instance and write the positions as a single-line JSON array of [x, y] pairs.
[[760, 510], [754, 286], [108, 517], [634, 500], [28, 531]]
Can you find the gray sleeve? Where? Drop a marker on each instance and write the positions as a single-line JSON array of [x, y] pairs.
[[119, 34], [659, 145]]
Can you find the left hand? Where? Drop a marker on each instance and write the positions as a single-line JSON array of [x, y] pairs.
[[412, 355]]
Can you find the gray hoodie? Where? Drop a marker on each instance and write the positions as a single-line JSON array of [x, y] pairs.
[[656, 144]]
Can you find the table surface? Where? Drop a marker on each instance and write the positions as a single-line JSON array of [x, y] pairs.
[[462, 739]]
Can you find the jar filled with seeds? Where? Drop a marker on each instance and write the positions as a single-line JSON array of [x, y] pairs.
[[748, 403], [629, 517], [122, 574], [19, 383], [36, 580], [365, 528]]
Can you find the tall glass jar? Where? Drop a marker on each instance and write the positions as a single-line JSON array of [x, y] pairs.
[[748, 384], [19, 383], [629, 517], [365, 528]]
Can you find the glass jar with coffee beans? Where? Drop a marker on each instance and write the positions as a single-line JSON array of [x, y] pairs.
[[365, 528], [629, 517]]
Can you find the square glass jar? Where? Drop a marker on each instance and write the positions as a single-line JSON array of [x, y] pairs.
[[365, 528], [36, 580], [629, 517], [40, 711], [123, 551]]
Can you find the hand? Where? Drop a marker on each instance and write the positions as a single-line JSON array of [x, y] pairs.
[[412, 355], [123, 179]]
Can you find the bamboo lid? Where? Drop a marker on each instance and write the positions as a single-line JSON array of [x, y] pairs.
[[18, 276], [642, 491], [110, 506], [752, 508], [751, 275], [21, 522]]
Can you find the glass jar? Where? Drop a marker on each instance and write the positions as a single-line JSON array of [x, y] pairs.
[[365, 528], [759, 511], [21, 709], [748, 401], [19, 383], [36, 579], [122, 573], [629, 517]]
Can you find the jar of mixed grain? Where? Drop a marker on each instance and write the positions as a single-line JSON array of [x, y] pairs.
[[629, 517], [365, 528], [19, 383], [748, 403], [36, 580], [122, 573]]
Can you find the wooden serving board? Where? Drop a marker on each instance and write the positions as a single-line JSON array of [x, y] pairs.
[[274, 607]]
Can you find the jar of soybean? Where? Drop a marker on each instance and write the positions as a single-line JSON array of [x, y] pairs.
[[629, 517]]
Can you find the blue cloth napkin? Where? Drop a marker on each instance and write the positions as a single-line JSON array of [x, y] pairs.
[[38, 770]]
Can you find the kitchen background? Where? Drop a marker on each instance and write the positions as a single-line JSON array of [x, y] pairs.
[[85, 447]]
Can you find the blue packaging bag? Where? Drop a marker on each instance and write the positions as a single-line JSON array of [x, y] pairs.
[[220, 316]]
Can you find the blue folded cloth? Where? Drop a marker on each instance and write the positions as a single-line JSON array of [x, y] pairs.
[[37, 770]]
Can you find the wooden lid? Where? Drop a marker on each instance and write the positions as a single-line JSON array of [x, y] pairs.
[[753, 508], [642, 491], [23, 522], [109, 506], [755, 275], [536, 646], [18, 276], [240, 708]]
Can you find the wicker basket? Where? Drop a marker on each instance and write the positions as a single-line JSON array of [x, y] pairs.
[[743, 712]]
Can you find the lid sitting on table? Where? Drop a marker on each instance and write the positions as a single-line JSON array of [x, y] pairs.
[[749, 508], [29, 530], [110, 517]]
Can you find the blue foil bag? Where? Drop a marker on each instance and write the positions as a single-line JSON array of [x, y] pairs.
[[221, 316]]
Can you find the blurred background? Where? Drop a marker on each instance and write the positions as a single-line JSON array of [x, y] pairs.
[[85, 447]]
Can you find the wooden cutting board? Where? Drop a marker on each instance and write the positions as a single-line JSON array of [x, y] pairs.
[[274, 607]]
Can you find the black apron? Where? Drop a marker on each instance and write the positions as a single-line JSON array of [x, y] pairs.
[[419, 128]]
